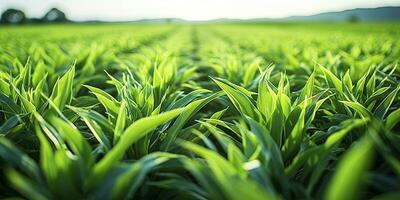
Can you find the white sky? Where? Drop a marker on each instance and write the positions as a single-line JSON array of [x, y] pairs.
[[187, 9]]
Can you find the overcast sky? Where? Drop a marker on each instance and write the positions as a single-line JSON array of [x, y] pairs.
[[187, 9]]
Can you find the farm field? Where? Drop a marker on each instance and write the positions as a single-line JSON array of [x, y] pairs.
[[200, 111]]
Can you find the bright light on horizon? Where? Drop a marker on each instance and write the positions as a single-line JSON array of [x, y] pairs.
[[186, 9]]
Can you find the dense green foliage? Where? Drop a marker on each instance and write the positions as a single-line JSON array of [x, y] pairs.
[[240, 111]]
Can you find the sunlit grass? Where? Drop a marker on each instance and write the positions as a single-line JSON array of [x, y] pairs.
[[263, 111]]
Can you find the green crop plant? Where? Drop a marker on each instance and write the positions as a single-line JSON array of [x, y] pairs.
[[205, 111]]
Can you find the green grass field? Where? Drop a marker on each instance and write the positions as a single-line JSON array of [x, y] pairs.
[[217, 111]]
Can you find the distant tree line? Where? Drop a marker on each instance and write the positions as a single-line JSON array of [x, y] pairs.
[[353, 18], [15, 16]]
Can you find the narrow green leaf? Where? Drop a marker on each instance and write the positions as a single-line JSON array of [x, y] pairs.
[[348, 178]]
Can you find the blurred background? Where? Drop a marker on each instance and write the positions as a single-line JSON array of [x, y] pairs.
[[166, 11]]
